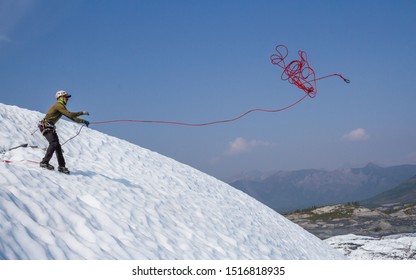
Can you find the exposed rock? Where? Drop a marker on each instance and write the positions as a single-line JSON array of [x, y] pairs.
[[343, 219]]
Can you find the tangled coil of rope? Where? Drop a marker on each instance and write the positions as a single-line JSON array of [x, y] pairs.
[[298, 72]]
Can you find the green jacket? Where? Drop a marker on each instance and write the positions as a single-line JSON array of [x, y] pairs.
[[57, 110]]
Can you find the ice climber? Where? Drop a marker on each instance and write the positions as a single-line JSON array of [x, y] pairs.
[[48, 129]]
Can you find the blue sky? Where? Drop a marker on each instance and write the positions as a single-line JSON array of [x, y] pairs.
[[200, 61]]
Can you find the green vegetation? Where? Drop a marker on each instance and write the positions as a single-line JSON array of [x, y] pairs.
[[410, 209], [341, 211]]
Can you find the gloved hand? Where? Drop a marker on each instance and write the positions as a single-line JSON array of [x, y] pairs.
[[85, 113], [87, 123]]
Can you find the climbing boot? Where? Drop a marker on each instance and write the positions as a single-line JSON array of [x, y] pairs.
[[63, 169], [46, 166]]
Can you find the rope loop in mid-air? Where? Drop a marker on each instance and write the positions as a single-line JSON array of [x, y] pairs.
[[298, 72]]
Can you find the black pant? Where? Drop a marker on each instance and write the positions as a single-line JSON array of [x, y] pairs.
[[54, 146]]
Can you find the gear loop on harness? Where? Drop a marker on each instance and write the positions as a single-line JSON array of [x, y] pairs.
[[45, 126]]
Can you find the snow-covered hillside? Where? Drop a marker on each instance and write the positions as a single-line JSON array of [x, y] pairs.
[[125, 202], [391, 247]]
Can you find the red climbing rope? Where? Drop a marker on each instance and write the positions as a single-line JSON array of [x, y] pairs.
[[23, 160], [298, 72], [206, 123]]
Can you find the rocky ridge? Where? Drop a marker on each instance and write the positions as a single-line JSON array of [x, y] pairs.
[[351, 218]]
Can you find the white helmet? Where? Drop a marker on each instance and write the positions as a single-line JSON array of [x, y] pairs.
[[60, 93]]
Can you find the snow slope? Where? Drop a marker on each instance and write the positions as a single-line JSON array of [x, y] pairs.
[[391, 247], [122, 201]]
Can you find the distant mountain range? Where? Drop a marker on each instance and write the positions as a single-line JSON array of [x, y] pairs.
[[286, 191], [405, 193], [391, 212]]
